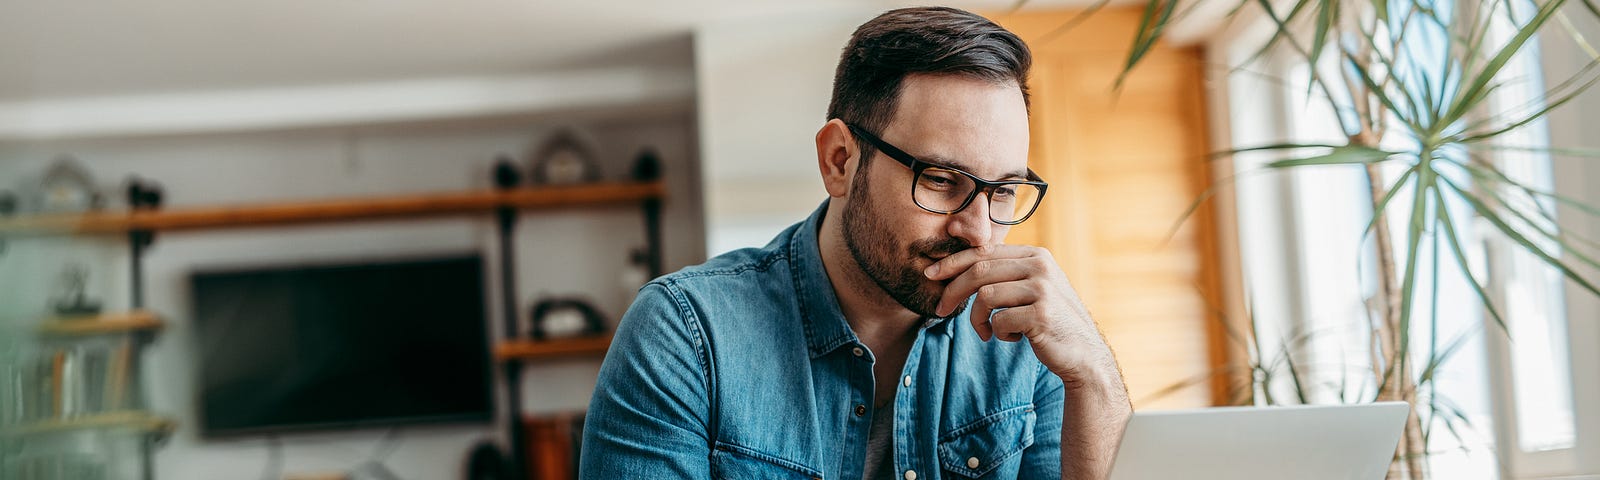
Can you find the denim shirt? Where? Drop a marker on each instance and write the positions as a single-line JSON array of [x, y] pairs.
[[744, 368]]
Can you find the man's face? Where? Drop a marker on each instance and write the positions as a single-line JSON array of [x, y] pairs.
[[964, 123]]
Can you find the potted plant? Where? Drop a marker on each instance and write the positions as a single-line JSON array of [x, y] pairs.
[[1428, 116]]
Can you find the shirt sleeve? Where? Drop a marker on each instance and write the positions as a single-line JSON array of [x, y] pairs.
[[1042, 461], [649, 414]]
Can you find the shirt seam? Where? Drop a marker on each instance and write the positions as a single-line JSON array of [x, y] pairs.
[[695, 325], [985, 421], [766, 457], [759, 265], [816, 345]]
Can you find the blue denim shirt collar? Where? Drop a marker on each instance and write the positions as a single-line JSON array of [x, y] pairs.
[[825, 326]]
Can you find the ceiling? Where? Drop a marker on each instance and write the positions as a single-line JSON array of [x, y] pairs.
[[69, 49]]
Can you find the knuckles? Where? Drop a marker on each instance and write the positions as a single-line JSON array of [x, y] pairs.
[[986, 292], [982, 269]]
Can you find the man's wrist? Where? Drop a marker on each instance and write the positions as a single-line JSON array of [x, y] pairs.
[[1095, 379]]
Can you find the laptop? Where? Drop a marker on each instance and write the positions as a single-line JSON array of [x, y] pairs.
[[1308, 442]]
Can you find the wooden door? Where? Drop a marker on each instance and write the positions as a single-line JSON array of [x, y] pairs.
[[1123, 168]]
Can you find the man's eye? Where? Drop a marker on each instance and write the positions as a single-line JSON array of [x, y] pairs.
[[937, 181], [1005, 192]]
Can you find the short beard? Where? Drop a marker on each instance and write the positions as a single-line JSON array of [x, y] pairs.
[[874, 251]]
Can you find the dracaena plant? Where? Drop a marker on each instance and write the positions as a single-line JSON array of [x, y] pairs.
[[1422, 109]]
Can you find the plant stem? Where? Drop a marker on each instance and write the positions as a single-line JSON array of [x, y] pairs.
[[1400, 386]]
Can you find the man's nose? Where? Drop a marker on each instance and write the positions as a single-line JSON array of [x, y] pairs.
[[972, 223]]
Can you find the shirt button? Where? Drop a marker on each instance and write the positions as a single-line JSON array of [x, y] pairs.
[[911, 475], [861, 410], [972, 462], [908, 380], [858, 351]]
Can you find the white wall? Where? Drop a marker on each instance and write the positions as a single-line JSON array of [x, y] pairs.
[[573, 252], [764, 84]]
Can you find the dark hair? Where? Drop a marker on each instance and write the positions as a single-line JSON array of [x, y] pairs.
[[932, 40]]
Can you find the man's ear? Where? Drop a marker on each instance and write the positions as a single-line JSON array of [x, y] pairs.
[[836, 157]]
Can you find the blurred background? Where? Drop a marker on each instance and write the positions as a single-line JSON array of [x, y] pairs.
[[364, 239]]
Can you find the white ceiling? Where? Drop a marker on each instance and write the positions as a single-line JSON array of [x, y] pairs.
[[66, 49]]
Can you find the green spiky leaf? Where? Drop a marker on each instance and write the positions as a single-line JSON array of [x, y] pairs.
[[1342, 155]]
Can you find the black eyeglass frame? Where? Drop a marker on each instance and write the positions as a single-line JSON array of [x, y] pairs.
[[986, 187]]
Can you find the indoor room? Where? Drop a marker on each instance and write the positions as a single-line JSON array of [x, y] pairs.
[[555, 239]]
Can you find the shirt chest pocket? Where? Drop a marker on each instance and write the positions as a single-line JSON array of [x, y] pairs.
[[733, 462], [990, 447]]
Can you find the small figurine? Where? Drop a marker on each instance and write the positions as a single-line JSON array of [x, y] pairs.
[[68, 188], [73, 299], [647, 166], [564, 159], [505, 172], [565, 318]]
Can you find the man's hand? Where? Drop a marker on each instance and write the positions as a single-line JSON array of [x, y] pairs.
[[1034, 300]]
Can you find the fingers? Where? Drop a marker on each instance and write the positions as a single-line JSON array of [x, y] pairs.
[[1013, 324], [957, 263], [999, 296], [981, 325], [986, 272]]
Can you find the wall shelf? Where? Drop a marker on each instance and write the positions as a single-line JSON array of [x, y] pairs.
[[142, 226], [117, 322], [514, 350], [335, 210], [131, 420]]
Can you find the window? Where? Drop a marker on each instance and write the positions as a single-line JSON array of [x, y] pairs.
[[1309, 275], [1536, 420]]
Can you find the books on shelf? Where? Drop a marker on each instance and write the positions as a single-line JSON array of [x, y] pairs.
[[69, 381]]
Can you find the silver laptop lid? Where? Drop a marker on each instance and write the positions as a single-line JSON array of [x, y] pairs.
[[1311, 442]]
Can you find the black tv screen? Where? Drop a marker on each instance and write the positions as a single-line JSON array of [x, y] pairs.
[[326, 346]]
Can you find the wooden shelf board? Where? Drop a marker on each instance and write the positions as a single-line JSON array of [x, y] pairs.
[[548, 349], [105, 323], [335, 210], [134, 420]]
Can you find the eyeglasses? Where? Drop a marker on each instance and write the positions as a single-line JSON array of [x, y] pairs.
[[945, 190]]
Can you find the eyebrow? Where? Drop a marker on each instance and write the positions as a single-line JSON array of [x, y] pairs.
[[935, 159]]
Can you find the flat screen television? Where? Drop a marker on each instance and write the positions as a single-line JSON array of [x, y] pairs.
[[331, 346]]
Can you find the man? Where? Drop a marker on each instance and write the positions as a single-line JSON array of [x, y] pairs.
[[856, 345]]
